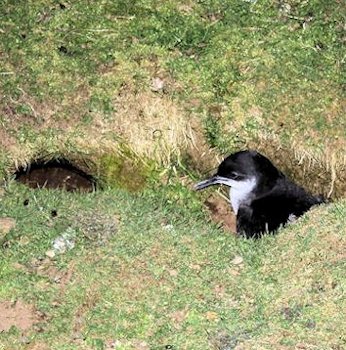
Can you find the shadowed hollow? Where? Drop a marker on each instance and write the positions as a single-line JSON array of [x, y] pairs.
[[56, 174]]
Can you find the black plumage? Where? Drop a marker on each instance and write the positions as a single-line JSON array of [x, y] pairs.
[[262, 197]]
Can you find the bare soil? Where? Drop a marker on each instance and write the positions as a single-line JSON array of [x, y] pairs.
[[6, 225], [17, 314], [221, 213]]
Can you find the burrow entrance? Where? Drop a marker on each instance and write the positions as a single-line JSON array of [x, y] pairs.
[[317, 177], [56, 174], [220, 212]]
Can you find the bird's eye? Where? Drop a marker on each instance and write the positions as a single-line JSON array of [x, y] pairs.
[[234, 175]]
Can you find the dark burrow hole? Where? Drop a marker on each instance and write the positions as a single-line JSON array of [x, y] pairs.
[[56, 173]]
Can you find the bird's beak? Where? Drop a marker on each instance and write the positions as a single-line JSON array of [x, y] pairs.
[[214, 180], [206, 183]]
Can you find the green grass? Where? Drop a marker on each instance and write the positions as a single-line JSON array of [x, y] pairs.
[[76, 81], [167, 277], [67, 62]]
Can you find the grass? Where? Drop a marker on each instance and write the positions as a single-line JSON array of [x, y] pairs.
[[252, 70], [164, 276], [162, 90]]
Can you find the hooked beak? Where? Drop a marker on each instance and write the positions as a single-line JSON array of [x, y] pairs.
[[214, 180]]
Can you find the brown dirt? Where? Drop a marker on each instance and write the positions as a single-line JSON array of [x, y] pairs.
[[38, 346], [6, 141], [221, 213], [47, 268], [90, 300], [6, 225], [17, 314]]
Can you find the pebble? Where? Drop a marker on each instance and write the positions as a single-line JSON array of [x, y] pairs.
[[157, 84], [237, 260], [50, 254]]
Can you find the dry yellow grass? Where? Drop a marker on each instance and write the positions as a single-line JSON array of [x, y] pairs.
[[150, 125], [322, 172], [153, 126], [321, 169]]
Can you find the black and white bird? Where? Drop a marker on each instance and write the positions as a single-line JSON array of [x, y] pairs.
[[261, 196]]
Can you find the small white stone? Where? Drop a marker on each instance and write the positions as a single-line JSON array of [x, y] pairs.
[[157, 84], [50, 254], [237, 260]]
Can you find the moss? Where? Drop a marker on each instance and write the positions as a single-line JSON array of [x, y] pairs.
[[124, 169]]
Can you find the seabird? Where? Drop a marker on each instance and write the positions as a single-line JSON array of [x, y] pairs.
[[261, 196]]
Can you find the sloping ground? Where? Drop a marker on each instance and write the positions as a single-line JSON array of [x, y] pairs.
[[149, 271], [116, 87], [300, 285], [80, 80]]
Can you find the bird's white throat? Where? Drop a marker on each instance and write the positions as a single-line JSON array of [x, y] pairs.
[[240, 192]]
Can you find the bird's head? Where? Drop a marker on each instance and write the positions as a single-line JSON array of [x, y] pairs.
[[241, 168]]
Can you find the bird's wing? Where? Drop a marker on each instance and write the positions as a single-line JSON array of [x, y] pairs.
[[264, 214], [247, 223]]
